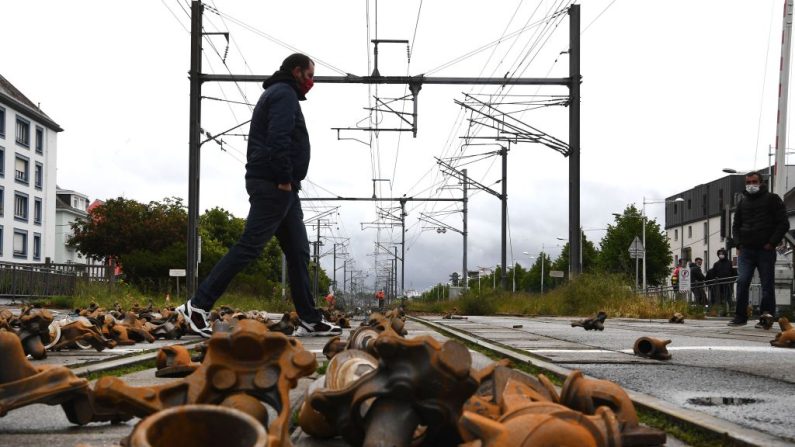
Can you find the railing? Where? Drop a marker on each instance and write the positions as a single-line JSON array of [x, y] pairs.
[[39, 280], [713, 292]]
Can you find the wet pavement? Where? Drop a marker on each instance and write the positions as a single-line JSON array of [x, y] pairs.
[[730, 373]]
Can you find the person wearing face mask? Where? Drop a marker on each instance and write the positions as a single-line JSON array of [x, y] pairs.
[[718, 276], [760, 223], [277, 161]]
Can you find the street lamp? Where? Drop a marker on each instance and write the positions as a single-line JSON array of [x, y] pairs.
[[643, 213]]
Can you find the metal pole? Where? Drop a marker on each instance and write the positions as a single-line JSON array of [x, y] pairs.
[[542, 270], [317, 261], [464, 233], [335, 269], [403, 247], [780, 177], [504, 237], [194, 156], [574, 139], [284, 276], [643, 221]]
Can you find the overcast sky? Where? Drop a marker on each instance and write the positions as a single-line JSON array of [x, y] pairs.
[[672, 93]]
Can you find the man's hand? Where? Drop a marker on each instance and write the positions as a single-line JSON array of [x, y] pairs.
[[285, 186]]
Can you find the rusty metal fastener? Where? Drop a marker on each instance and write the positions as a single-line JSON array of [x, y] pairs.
[[204, 425], [590, 324], [767, 321], [677, 318], [34, 331], [652, 348], [586, 395], [344, 369], [249, 359], [83, 335], [174, 361], [785, 338], [23, 384], [419, 382]]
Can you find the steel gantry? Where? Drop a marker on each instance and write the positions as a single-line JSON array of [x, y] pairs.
[[197, 78]]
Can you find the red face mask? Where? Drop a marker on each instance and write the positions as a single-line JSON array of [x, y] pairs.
[[306, 86]]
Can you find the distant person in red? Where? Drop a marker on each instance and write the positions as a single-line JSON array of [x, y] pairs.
[[379, 296], [331, 301]]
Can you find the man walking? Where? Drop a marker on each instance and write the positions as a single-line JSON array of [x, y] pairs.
[[760, 223], [278, 159]]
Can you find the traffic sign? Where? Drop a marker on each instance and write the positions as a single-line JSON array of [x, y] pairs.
[[636, 248], [684, 279]]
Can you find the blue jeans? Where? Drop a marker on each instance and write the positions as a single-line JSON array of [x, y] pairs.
[[764, 261], [272, 212]]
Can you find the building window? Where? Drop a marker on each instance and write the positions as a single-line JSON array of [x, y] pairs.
[[706, 232], [689, 232], [21, 206], [37, 210], [1, 240], [36, 246], [20, 244], [38, 175], [2, 162], [21, 169], [676, 234], [39, 140], [689, 202], [2, 122], [720, 199], [675, 209], [23, 132], [2, 201]]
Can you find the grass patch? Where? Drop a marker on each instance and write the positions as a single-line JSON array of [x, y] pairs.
[[122, 370], [689, 434], [585, 296], [323, 367]]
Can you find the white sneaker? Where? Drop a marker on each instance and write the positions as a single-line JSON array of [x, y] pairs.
[[321, 328], [197, 319]]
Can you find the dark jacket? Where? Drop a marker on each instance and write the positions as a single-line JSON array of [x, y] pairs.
[[760, 218], [278, 142], [696, 274], [722, 268]]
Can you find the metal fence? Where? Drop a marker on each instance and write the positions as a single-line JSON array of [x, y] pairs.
[[713, 292], [40, 280]]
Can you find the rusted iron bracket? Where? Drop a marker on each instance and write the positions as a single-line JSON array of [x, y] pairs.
[[248, 360], [23, 384], [419, 382], [590, 324], [677, 318], [785, 338], [174, 361], [652, 348]]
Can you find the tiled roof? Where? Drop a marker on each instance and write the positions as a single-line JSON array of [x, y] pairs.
[[11, 96]]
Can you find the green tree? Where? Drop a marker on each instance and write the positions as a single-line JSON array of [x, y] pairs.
[[121, 226], [590, 256], [614, 256], [531, 280]]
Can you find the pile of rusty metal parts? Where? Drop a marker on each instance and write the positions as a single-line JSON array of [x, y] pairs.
[[383, 389], [379, 388], [92, 327]]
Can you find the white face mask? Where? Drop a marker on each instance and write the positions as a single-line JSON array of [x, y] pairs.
[[722, 256], [752, 189]]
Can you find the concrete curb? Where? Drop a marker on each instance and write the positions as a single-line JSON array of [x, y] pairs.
[[729, 433]]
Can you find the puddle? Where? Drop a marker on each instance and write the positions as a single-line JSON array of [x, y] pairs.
[[716, 400]]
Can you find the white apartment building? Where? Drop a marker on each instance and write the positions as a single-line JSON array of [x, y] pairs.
[[70, 206], [28, 148]]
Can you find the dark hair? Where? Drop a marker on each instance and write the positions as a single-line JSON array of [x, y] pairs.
[[699, 259], [296, 60], [758, 176], [722, 250]]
